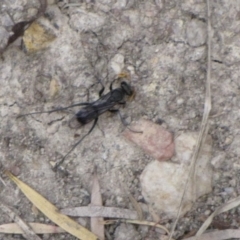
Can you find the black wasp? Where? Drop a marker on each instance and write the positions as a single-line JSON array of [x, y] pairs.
[[92, 110]]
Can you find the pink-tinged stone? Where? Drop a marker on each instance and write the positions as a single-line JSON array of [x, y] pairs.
[[154, 139]]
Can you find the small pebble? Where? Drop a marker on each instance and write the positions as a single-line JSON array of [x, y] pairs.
[[154, 139], [207, 212]]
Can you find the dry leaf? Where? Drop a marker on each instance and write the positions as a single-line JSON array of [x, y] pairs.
[[96, 200], [52, 212], [98, 211], [218, 235], [27, 231], [146, 223], [225, 207], [38, 228]]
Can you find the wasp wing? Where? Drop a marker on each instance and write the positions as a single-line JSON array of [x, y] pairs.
[[108, 101]]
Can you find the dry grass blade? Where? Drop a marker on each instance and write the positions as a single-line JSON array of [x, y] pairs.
[[27, 231], [137, 222], [225, 207], [52, 212], [98, 211], [96, 200], [204, 124], [136, 206], [38, 228], [218, 235]]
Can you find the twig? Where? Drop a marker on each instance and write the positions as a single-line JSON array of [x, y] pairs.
[[28, 232], [204, 124]]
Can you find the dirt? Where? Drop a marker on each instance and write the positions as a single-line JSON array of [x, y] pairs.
[[163, 44]]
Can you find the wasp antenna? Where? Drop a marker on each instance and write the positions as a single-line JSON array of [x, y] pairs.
[[32, 113], [55, 110], [75, 145]]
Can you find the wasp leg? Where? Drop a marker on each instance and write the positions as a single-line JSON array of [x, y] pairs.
[[100, 92], [113, 110], [111, 85], [102, 89], [55, 110], [122, 120], [75, 145], [122, 102], [119, 76]]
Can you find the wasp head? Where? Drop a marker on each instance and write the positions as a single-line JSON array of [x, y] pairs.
[[127, 89]]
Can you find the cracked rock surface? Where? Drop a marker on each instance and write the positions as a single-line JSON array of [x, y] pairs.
[[61, 60]]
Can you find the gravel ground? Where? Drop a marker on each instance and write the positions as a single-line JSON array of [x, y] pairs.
[[162, 46]]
